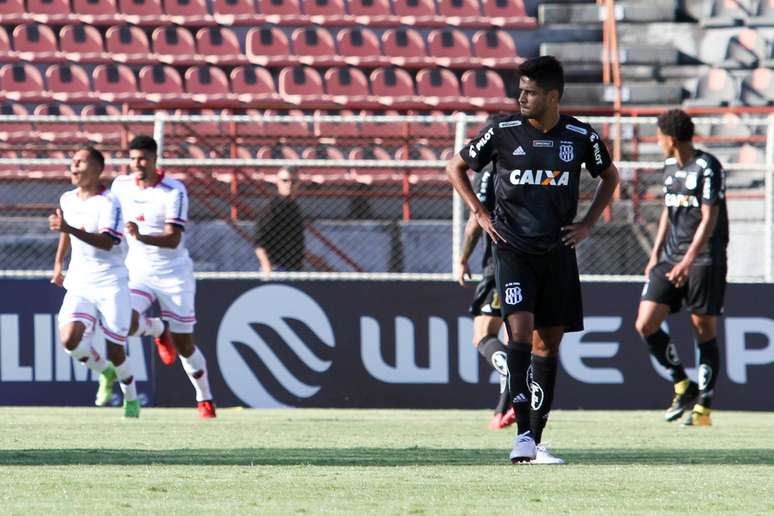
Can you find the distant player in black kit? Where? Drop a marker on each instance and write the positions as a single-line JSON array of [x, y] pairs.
[[538, 156], [485, 307], [688, 264]]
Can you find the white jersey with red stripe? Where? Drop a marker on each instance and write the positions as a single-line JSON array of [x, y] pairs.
[[90, 266], [152, 208]]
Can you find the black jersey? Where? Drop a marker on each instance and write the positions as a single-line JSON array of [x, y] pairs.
[[483, 185], [701, 180], [537, 176]]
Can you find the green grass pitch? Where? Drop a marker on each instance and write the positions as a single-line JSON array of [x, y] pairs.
[[85, 461]]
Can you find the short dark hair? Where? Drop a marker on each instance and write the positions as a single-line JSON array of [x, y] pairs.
[[546, 71], [144, 142], [677, 124], [94, 155]]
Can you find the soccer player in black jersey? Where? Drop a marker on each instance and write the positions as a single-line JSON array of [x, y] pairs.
[[485, 307], [537, 157], [688, 264]]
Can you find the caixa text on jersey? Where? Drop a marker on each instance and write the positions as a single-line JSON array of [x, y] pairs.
[[539, 177]]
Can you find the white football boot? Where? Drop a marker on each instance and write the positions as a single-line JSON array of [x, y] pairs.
[[524, 449]]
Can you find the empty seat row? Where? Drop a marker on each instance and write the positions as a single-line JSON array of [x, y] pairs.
[[724, 13], [297, 85], [737, 48], [266, 45], [469, 13], [719, 88]]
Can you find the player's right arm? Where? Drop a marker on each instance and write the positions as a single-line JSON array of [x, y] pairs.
[[658, 243], [57, 278], [102, 241]]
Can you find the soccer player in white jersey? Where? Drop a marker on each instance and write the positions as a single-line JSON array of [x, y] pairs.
[[90, 226], [160, 268]]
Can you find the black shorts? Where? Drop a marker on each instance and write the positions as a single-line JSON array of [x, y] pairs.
[[547, 285], [486, 301], [702, 294]]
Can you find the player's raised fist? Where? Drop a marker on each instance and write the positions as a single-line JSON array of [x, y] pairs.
[[55, 221], [131, 229]]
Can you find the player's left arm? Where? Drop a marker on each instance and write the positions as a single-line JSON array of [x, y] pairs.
[[175, 218], [575, 233]]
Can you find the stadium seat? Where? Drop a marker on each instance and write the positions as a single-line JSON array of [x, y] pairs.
[[332, 130], [22, 82], [207, 83], [328, 12], [288, 129], [315, 46], [496, 49], [405, 47], [302, 85], [374, 13], [349, 87], [7, 53], [507, 13], [128, 44], [374, 175], [60, 131], [69, 83], [323, 175], [725, 13], [50, 12], [254, 84], [360, 47], [439, 88], [251, 129], [36, 43], [743, 50], [219, 45], [201, 131], [160, 82], [269, 46], [485, 89], [143, 12], [15, 132], [418, 13], [732, 127], [285, 12], [434, 130], [13, 12], [276, 151], [394, 88], [372, 130], [189, 13], [175, 45], [115, 83], [97, 12], [715, 88], [764, 16], [465, 13], [236, 12], [421, 153], [103, 132], [83, 44], [450, 48], [758, 88]]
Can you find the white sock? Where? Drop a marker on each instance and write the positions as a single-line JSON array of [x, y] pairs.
[[149, 326], [87, 355], [126, 380], [196, 368]]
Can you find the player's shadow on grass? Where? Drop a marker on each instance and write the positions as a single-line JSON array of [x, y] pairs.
[[372, 457]]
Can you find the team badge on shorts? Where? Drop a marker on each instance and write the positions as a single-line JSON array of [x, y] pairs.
[[513, 295], [566, 152]]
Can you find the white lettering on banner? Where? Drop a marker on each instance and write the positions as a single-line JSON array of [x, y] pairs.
[[468, 357], [10, 369], [573, 351], [43, 342], [738, 357], [405, 369], [272, 306]]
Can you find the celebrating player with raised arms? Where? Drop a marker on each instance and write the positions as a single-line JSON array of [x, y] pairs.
[[90, 225]]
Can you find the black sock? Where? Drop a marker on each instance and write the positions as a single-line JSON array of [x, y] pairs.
[[709, 364], [518, 363], [543, 383], [666, 354], [495, 353]]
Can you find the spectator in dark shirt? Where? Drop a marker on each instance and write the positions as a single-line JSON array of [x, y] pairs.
[[279, 232]]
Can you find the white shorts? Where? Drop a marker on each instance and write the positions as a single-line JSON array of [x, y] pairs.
[[110, 306], [175, 294]]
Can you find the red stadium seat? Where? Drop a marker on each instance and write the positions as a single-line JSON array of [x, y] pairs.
[[496, 49], [382, 129], [440, 88], [198, 130], [219, 45], [61, 131], [405, 47], [286, 12], [421, 153], [36, 43], [430, 130], [102, 132], [143, 12], [349, 87], [207, 83], [236, 12], [335, 129], [277, 151], [69, 83], [758, 88], [250, 129], [322, 175], [374, 175], [507, 13], [50, 12], [418, 13], [160, 82], [302, 85], [315, 46], [22, 82], [289, 129], [14, 132], [115, 83], [254, 84], [360, 47], [7, 53], [175, 45], [269, 46], [128, 44], [394, 88], [97, 12], [450, 48], [190, 13], [465, 13], [374, 13], [13, 12], [328, 12], [83, 44], [485, 88]]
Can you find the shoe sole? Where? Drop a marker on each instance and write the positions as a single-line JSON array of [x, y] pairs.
[[521, 460]]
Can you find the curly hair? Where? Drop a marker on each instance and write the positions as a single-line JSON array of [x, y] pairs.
[[677, 124]]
